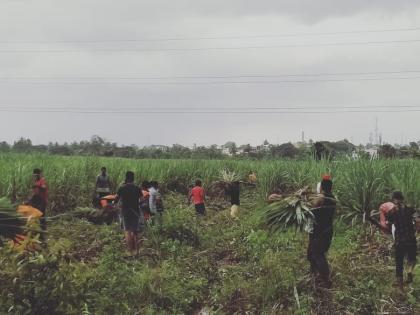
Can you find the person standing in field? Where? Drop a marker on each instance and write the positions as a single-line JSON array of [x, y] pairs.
[[144, 200], [402, 217], [103, 184], [155, 201], [197, 194], [234, 193], [39, 197], [129, 195], [320, 237]]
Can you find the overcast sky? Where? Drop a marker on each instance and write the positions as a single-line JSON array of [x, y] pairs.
[[105, 65]]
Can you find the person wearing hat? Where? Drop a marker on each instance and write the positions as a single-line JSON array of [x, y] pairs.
[[402, 217], [320, 236]]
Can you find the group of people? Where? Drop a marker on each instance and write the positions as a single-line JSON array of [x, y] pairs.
[[139, 204], [399, 218]]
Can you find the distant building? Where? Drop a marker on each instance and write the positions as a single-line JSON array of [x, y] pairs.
[[226, 151], [373, 152]]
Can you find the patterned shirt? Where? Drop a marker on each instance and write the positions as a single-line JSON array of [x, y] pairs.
[[403, 221]]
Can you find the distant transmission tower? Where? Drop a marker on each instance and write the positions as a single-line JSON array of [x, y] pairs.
[[376, 131]]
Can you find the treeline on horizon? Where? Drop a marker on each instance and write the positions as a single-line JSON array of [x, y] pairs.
[[100, 147]]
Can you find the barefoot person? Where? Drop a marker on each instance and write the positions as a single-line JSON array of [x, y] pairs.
[[402, 217], [197, 194], [320, 237], [129, 195]]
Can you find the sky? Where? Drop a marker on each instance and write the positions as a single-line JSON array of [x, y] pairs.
[[209, 71]]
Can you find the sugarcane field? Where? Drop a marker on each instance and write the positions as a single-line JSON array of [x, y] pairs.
[[251, 261]]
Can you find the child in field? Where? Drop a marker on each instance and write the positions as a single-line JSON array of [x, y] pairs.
[[197, 194]]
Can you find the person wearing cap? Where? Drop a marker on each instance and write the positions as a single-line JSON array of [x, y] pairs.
[[402, 217], [320, 236]]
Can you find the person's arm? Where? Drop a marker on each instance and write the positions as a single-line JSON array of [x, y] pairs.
[[316, 203], [390, 217], [118, 197], [204, 195], [412, 212]]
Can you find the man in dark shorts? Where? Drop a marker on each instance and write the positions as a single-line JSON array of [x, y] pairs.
[[198, 195], [402, 217], [129, 194], [320, 237]]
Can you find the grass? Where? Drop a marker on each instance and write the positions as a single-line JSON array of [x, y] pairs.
[[228, 266]]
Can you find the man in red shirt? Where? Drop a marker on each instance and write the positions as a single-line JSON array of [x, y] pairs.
[[198, 195], [39, 198]]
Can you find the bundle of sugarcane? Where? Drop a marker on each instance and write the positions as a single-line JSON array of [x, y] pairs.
[[292, 211], [11, 222], [96, 216], [220, 187]]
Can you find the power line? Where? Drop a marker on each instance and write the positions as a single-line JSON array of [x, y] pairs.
[[210, 76], [212, 111], [209, 37], [176, 107], [206, 48], [215, 112], [49, 83]]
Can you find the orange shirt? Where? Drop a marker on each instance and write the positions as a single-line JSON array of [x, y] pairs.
[[197, 194]]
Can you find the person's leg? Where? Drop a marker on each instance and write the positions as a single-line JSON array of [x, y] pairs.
[[201, 209], [319, 249], [411, 258], [43, 221], [135, 243], [312, 268], [399, 263], [127, 240]]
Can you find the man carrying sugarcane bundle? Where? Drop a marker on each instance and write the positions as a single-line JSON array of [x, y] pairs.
[[320, 237], [402, 217], [234, 191]]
